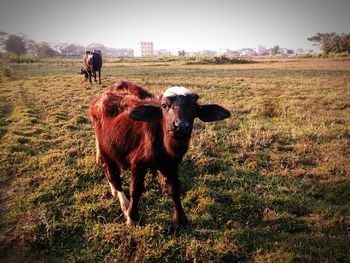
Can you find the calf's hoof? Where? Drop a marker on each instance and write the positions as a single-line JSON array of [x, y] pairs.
[[130, 222], [183, 221]]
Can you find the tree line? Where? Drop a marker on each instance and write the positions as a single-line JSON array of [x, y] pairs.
[[19, 45]]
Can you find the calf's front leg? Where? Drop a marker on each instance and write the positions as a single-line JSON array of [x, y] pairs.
[[99, 76], [90, 76], [173, 186]]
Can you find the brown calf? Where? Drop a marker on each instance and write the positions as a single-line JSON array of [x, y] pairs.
[[137, 131]]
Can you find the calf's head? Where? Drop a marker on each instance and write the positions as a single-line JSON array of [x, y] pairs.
[[84, 72], [178, 109]]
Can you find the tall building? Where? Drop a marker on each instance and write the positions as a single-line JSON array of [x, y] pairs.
[[146, 49]]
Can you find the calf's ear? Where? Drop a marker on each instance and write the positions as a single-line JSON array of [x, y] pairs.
[[146, 113], [212, 112]]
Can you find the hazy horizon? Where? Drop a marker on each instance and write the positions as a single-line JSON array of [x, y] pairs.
[[189, 25]]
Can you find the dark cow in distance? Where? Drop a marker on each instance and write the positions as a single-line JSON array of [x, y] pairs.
[[138, 131], [92, 63]]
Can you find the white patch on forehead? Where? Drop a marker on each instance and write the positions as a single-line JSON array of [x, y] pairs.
[[176, 91]]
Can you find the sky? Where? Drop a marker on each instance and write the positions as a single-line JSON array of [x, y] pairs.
[[190, 25]]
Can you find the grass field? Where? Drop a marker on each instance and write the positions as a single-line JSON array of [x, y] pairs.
[[270, 184]]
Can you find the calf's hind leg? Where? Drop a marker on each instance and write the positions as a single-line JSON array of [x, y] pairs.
[[115, 182], [98, 155]]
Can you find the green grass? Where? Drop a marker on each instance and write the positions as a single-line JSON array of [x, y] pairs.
[[270, 184]]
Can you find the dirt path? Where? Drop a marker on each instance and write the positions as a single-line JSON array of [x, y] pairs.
[[13, 247]]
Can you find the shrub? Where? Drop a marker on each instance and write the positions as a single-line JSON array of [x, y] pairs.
[[26, 58], [339, 55], [7, 72], [217, 60]]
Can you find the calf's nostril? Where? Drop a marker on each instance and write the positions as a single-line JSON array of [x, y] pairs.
[[181, 126], [176, 125]]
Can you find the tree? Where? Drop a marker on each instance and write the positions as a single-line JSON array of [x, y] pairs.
[[181, 53], [331, 42], [31, 46], [44, 50], [275, 50], [72, 48], [344, 43], [15, 44]]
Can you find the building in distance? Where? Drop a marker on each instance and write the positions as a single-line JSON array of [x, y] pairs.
[[207, 53], [162, 52], [261, 50], [146, 49], [124, 52]]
